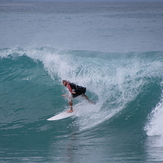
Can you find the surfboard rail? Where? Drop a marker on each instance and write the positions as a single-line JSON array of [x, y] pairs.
[[61, 115]]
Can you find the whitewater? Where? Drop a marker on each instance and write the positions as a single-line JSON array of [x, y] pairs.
[[113, 49]]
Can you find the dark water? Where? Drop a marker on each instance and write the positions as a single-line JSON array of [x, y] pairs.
[[124, 74]]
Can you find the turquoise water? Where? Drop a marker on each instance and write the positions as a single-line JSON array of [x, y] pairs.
[[113, 49]]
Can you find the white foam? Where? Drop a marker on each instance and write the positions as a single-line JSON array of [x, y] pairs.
[[154, 127]]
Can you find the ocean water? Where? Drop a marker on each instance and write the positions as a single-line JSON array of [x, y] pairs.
[[115, 50]]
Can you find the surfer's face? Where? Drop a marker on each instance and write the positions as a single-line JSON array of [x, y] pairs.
[[64, 83]]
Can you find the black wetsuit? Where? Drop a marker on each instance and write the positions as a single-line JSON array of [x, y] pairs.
[[78, 89]]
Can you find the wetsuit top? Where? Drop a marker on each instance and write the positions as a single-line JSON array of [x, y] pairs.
[[78, 89]]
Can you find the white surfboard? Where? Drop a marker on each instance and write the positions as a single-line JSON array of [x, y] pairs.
[[61, 115]]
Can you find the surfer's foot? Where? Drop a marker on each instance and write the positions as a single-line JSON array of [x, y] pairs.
[[70, 111]]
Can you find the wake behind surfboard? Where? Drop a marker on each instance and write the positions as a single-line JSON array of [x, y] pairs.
[[61, 115]]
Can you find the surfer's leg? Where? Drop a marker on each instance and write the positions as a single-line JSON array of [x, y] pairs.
[[85, 96], [71, 104]]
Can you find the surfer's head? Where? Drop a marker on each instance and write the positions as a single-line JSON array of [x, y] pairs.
[[64, 82]]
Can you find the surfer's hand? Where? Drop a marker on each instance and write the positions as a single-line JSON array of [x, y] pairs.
[[73, 92], [64, 95]]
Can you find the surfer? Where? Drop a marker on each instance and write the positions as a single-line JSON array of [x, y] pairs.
[[75, 91]]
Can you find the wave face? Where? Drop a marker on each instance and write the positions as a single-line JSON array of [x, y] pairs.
[[126, 86]]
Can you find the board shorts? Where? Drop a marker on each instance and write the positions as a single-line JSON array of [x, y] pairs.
[[79, 92]]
